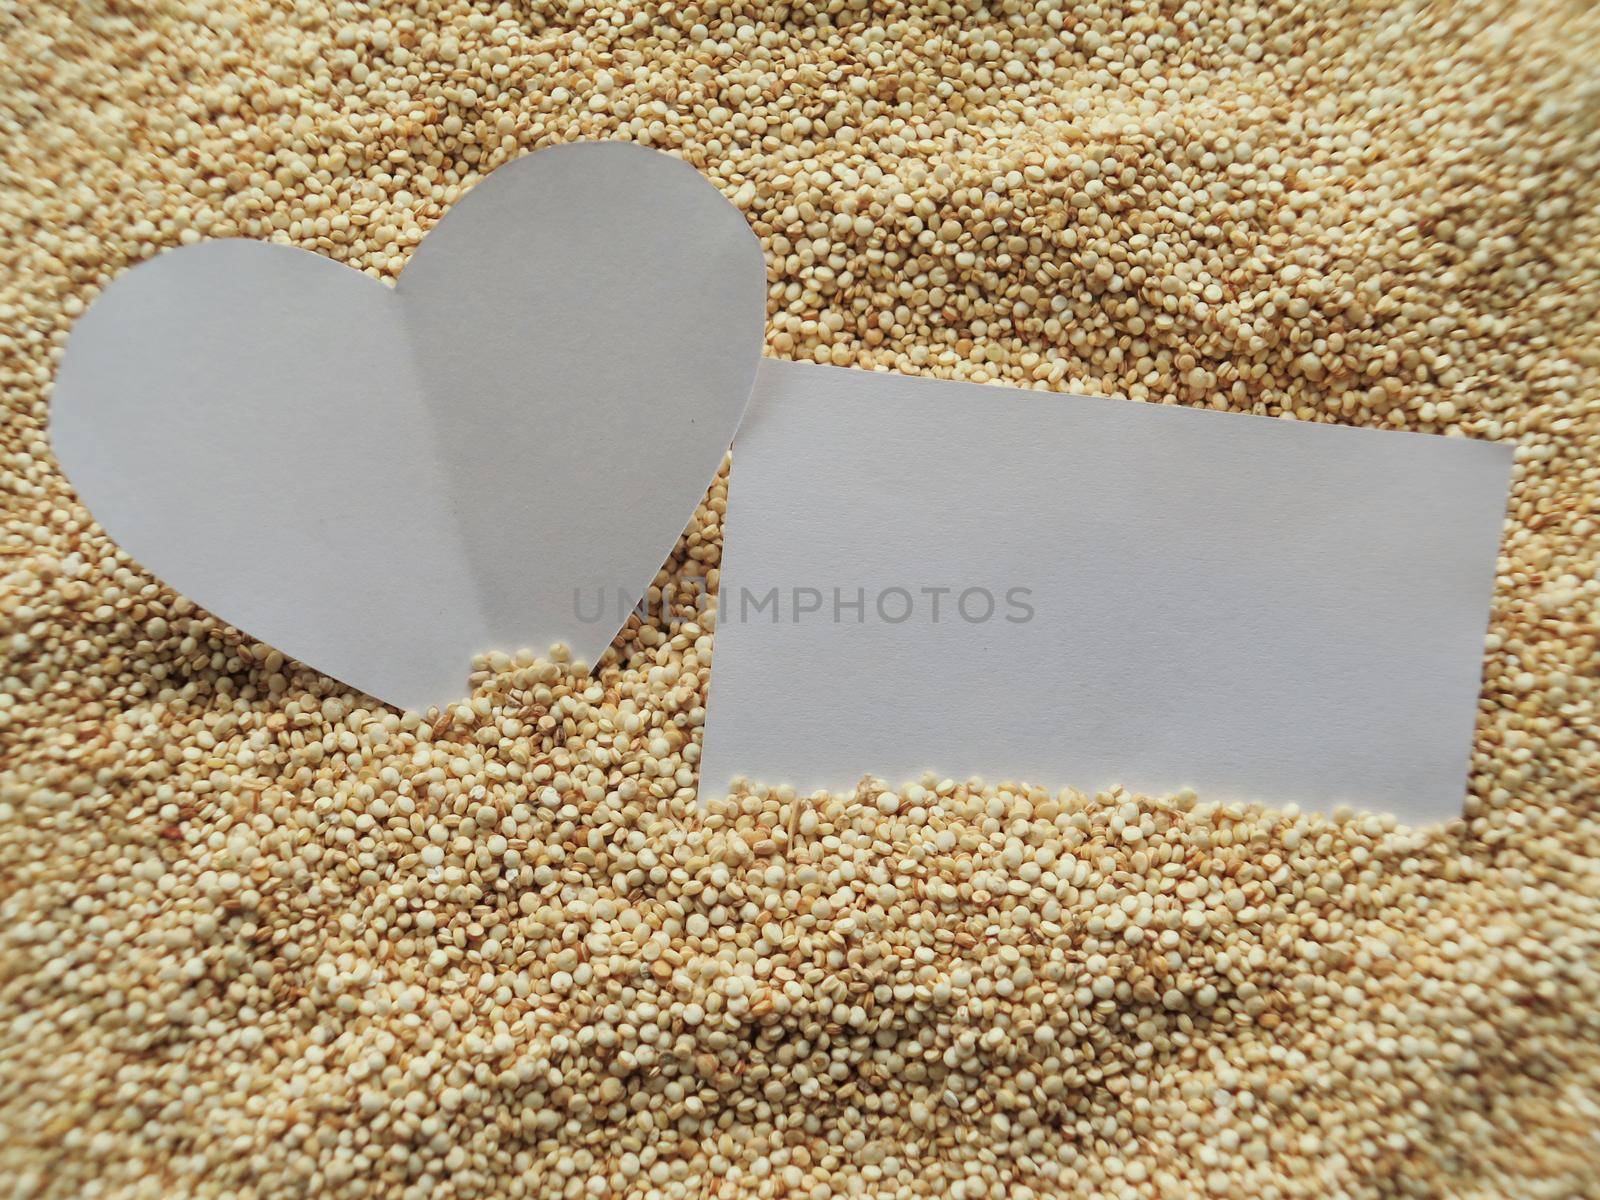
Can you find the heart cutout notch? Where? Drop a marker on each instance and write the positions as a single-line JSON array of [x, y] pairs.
[[384, 481]]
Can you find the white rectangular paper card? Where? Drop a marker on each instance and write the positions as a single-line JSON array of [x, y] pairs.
[[1072, 591]]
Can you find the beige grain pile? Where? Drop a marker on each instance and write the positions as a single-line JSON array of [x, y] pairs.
[[261, 938]]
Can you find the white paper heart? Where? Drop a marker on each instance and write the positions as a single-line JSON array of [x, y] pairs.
[[382, 482]]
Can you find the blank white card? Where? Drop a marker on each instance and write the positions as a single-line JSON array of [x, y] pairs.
[[922, 575]]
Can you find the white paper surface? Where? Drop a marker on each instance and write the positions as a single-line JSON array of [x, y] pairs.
[[383, 482], [1260, 609]]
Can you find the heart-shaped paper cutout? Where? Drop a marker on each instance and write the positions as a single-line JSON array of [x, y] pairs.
[[383, 482]]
